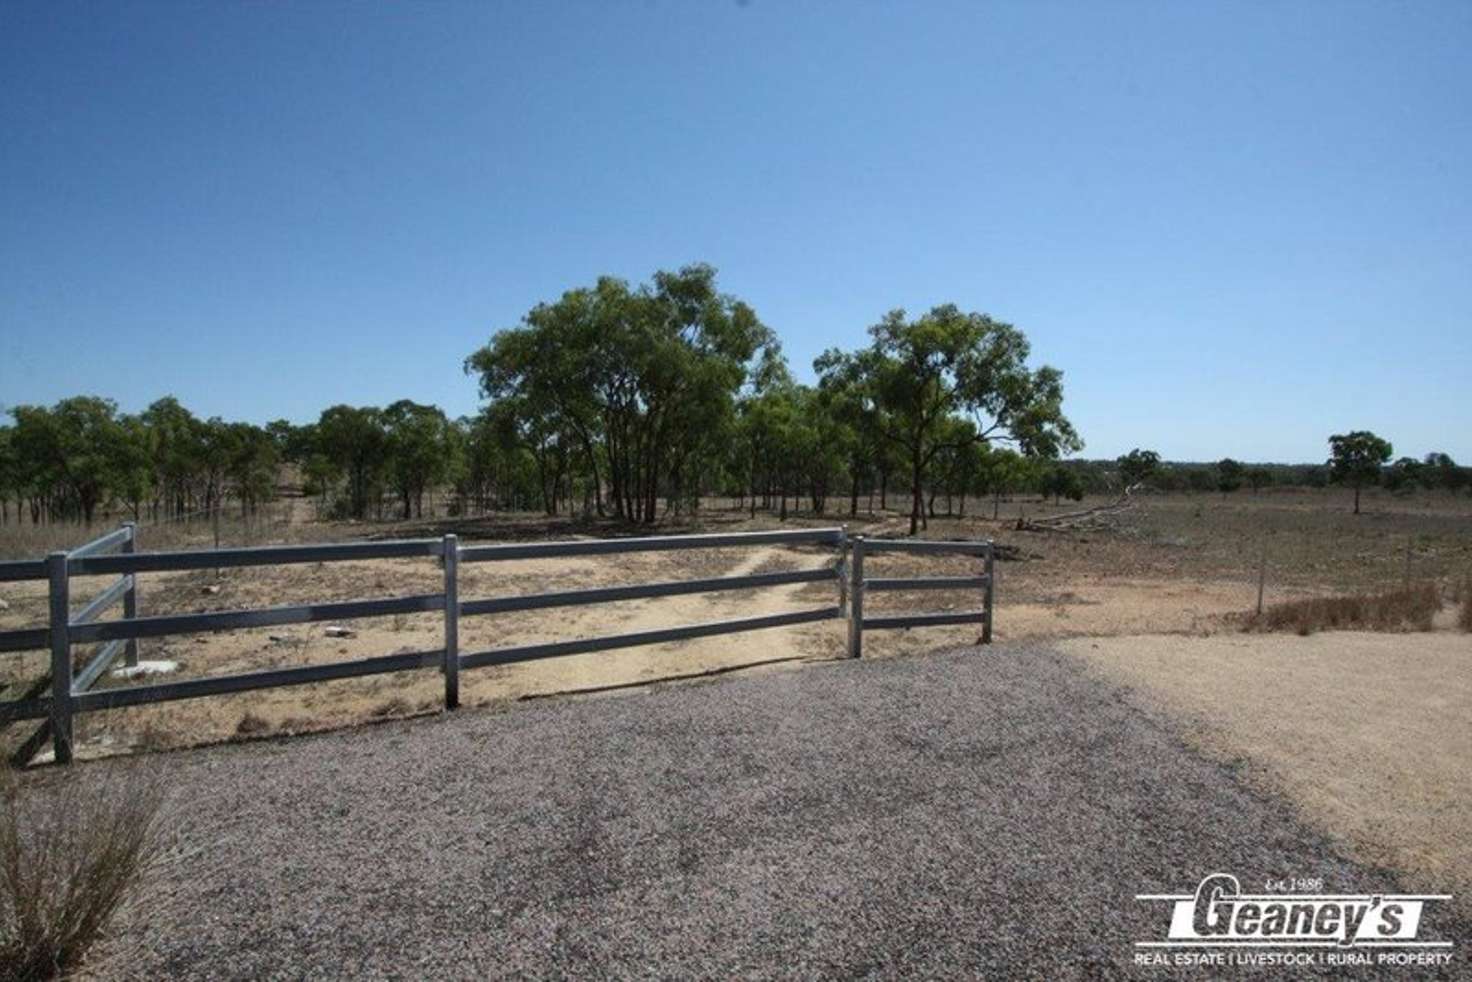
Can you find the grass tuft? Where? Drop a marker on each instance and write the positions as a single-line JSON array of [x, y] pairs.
[[250, 724], [70, 859], [1398, 610], [1463, 594]]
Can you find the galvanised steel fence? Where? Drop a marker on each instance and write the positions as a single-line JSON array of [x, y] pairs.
[[74, 691]]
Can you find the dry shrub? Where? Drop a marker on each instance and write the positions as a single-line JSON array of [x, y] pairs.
[[1463, 594], [393, 707], [251, 724], [1397, 610], [70, 858]]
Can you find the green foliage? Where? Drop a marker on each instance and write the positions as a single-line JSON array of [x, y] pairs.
[[1060, 482], [1138, 466], [633, 380], [1355, 459], [1229, 475], [919, 377], [354, 443]]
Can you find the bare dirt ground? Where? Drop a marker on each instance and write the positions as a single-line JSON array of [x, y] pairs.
[[1176, 564], [1370, 735], [1366, 735]]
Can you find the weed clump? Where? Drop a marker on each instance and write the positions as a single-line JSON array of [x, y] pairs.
[[69, 861], [1397, 610], [250, 724]]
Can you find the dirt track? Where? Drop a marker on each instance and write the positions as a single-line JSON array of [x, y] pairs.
[[943, 816]]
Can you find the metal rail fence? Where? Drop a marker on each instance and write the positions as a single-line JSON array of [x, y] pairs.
[[73, 691]]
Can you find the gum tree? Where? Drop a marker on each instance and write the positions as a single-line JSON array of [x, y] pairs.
[[1355, 459], [922, 373]]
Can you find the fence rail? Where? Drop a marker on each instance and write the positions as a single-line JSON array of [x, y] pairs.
[[72, 691]]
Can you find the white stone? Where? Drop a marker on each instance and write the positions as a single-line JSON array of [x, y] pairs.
[[161, 667]]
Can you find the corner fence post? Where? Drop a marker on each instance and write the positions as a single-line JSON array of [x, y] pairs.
[[61, 657], [452, 621], [989, 594], [856, 599], [130, 597]]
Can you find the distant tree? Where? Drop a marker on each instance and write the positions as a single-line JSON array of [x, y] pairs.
[[1229, 475], [1138, 466], [9, 475], [633, 381], [1259, 478], [1355, 459], [1440, 471], [1404, 475], [418, 451], [251, 465], [354, 443], [1060, 482], [945, 364], [1200, 478]]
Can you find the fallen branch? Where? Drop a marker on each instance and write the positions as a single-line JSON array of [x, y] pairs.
[[1097, 519]]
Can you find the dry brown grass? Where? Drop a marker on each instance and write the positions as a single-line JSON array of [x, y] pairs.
[[1462, 593], [1398, 610], [251, 725], [70, 859]]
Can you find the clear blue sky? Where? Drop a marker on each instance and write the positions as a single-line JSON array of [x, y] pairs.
[[1237, 227]]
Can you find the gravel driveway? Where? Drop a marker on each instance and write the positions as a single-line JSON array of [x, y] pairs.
[[945, 815]]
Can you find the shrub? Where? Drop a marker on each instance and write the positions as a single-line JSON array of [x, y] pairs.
[[251, 724], [1464, 594], [70, 858], [1397, 610]]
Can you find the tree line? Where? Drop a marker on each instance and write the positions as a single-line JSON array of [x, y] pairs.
[[633, 402]]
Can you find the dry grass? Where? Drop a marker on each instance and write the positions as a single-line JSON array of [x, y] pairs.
[[70, 860], [250, 725], [1398, 610]]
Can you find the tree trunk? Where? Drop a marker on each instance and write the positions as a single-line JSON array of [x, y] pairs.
[[917, 495]]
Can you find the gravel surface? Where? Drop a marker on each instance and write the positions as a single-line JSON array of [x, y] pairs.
[[964, 813]]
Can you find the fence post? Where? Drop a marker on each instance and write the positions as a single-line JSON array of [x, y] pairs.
[[130, 598], [61, 657], [452, 621], [1262, 574], [989, 594], [856, 599], [842, 571]]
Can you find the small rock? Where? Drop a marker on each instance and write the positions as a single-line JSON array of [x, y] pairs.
[[4, 606], [212, 589], [276, 638], [338, 631]]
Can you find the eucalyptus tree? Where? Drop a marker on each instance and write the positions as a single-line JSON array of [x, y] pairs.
[[920, 373], [846, 398], [9, 475], [1229, 475], [354, 443], [1355, 459], [1138, 466], [418, 450], [634, 376], [175, 447]]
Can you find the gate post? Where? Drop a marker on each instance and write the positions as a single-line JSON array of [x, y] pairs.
[[452, 621], [61, 657], [130, 598], [987, 596], [856, 599]]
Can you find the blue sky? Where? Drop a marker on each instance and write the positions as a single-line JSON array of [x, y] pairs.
[[1237, 228]]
